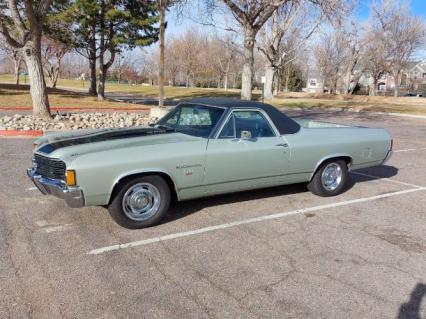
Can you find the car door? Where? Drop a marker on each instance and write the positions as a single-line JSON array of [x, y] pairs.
[[247, 152]]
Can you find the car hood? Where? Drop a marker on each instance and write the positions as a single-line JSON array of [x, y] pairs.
[[75, 143]]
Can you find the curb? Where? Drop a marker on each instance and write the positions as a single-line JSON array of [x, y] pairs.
[[11, 133], [110, 109]]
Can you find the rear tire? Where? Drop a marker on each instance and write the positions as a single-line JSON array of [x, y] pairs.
[[330, 179], [140, 202]]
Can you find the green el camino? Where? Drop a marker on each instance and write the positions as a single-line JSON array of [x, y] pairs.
[[202, 147]]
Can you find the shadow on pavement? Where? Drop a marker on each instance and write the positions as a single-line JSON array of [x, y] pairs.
[[411, 309], [185, 208]]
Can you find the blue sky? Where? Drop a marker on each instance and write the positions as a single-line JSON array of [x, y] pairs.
[[418, 7]]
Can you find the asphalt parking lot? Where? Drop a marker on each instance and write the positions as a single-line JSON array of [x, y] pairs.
[[273, 253]]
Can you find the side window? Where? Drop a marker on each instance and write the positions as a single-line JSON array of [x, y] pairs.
[[228, 130], [173, 120], [252, 121], [194, 117]]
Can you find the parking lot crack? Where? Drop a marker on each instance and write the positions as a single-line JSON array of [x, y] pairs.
[[207, 278], [175, 283]]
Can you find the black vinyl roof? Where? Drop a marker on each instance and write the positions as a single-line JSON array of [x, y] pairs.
[[283, 123]]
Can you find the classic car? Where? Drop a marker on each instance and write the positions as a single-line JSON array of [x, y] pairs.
[[202, 147]]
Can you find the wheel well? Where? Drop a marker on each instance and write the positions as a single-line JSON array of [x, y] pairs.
[[124, 179], [347, 159]]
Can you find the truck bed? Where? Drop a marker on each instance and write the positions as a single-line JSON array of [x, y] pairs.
[[307, 123]]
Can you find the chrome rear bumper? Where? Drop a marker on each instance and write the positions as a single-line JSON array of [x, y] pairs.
[[73, 196], [388, 157]]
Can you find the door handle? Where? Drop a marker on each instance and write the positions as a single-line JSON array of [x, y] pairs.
[[282, 145]]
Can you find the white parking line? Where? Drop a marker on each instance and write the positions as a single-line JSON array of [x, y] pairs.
[[32, 188], [246, 221], [53, 229], [410, 150], [386, 179]]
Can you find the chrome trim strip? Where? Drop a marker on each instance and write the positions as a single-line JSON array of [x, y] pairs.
[[73, 196], [243, 180]]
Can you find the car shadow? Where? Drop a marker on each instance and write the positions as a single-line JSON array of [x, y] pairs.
[[185, 208], [411, 309]]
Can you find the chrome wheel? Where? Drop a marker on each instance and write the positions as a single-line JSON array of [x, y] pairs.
[[331, 176], [141, 201]]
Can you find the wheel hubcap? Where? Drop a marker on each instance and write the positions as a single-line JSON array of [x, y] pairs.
[[331, 176], [141, 201]]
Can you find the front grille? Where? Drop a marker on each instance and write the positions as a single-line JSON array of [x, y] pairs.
[[50, 167]]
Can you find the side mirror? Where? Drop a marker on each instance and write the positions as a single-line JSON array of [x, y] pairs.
[[245, 135]]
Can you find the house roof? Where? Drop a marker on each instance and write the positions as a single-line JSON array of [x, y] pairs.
[[417, 66]]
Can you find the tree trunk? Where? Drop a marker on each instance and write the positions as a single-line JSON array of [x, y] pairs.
[[17, 61], [92, 65], [55, 75], [38, 90], [373, 87], [92, 62], [247, 76], [225, 81], [348, 83], [397, 83], [276, 83], [101, 84], [162, 7], [269, 82]]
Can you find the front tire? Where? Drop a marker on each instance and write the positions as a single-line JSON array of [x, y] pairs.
[[330, 179], [140, 202]]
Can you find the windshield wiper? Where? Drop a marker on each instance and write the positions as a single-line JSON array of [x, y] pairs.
[[165, 127]]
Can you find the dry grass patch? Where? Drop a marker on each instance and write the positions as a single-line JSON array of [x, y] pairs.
[[18, 96], [411, 105]]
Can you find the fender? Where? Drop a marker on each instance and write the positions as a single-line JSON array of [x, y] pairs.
[[325, 158], [143, 171]]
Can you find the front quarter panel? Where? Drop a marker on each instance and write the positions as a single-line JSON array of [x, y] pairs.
[[97, 173]]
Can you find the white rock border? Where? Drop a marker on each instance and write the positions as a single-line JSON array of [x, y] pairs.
[[75, 121]]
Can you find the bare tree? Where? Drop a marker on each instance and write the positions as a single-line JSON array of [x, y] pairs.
[[289, 28], [14, 56], [251, 16], [222, 56], [353, 44], [21, 24], [189, 48], [52, 54], [375, 57], [330, 59], [403, 34], [172, 63]]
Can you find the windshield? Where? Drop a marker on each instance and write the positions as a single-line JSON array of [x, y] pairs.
[[193, 119]]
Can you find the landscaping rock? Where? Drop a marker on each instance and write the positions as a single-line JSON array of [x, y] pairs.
[[74, 121]]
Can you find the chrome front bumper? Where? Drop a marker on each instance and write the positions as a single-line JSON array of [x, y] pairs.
[[73, 196]]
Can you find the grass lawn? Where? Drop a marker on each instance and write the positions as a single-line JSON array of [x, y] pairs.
[[13, 96], [140, 90], [410, 105], [18, 96]]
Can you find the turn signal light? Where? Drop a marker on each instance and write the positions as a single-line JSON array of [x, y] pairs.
[[70, 178]]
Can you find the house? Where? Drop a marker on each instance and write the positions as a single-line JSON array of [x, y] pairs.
[[314, 82], [414, 77], [413, 80]]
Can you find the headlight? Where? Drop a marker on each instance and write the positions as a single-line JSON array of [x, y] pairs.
[[70, 177]]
